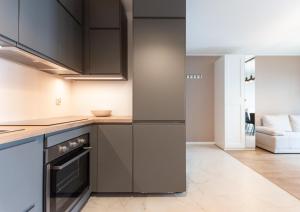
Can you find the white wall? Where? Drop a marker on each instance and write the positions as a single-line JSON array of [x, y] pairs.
[[27, 93], [30, 94], [277, 85], [117, 96]]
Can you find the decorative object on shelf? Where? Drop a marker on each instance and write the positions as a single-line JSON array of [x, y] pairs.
[[101, 113], [194, 76]]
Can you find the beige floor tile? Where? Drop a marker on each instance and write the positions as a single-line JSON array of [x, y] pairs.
[[216, 183]]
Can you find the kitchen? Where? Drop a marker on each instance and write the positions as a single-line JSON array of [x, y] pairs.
[[132, 105], [63, 60]]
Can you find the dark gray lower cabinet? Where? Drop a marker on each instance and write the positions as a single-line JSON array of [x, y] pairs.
[[21, 178], [159, 158], [9, 19], [114, 158]]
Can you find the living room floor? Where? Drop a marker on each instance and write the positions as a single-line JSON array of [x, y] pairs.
[[215, 182], [281, 169]]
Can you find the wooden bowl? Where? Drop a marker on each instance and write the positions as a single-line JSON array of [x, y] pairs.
[[101, 113]]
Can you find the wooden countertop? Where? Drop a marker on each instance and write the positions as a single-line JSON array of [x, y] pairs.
[[32, 131]]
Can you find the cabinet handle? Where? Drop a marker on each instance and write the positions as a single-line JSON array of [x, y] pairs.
[[61, 167], [30, 208]]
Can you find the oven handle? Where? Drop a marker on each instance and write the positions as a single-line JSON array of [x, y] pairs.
[[71, 161]]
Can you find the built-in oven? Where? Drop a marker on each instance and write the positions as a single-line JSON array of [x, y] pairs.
[[67, 173]]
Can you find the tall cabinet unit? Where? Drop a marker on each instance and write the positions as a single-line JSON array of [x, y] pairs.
[[229, 102], [158, 96]]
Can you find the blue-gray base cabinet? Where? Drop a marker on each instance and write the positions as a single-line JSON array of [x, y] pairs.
[[159, 158], [114, 158], [21, 178]]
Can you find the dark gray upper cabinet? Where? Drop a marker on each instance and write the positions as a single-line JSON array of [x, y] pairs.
[[9, 19], [40, 26], [105, 38], [75, 8], [48, 29], [159, 158], [105, 51], [159, 69], [104, 13], [115, 158], [71, 42], [159, 8]]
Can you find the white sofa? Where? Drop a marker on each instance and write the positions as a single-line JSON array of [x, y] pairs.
[[279, 133]]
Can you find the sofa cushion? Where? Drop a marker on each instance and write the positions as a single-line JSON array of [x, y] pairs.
[[295, 122], [269, 131], [277, 122]]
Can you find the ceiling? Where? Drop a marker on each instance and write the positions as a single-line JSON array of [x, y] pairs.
[[259, 27]]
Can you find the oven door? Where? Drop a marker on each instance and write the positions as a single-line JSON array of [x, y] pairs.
[[68, 179]]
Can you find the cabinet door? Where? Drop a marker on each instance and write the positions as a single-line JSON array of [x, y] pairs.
[[104, 13], [105, 52], [159, 158], [39, 26], [159, 76], [21, 179], [9, 19], [70, 42], [159, 8], [74, 7], [115, 158]]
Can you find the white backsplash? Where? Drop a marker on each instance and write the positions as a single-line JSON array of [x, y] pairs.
[[116, 96], [27, 93]]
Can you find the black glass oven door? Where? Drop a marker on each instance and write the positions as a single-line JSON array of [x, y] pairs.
[[69, 178]]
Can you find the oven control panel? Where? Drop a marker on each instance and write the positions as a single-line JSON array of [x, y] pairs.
[[66, 147]]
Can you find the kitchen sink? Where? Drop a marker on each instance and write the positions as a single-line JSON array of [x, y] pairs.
[[9, 131]]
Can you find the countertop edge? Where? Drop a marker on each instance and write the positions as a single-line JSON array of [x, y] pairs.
[[9, 139]]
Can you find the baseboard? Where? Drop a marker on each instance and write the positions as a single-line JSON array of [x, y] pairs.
[[238, 149], [200, 142]]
